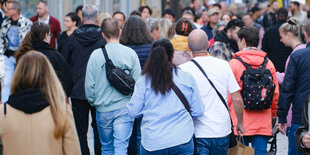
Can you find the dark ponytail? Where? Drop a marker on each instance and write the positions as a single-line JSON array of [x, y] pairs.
[[159, 67]]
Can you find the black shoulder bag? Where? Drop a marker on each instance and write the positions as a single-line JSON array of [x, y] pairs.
[[117, 77], [232, 136]]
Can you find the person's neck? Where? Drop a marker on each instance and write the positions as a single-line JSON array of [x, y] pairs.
[[15, 17], [89, 22], [201, 54], [294, 43], [296, 12], [212, 25], [44, 17], [70, 30], [113, 40]]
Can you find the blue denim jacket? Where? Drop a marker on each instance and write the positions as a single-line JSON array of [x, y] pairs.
[[166, 122]]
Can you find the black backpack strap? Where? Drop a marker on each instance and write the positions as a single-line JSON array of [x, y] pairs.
[[247, 66], [181, 96], [211, 83], [4, 105], [264, 64]]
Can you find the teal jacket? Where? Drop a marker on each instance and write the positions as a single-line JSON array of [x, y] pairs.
[[98, 90]]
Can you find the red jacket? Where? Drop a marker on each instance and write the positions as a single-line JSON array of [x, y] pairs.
[[54, 28], [255, 122]]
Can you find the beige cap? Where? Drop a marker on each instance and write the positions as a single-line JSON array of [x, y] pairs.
[[212, 11]]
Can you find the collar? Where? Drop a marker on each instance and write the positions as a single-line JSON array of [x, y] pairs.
[[45, 21]]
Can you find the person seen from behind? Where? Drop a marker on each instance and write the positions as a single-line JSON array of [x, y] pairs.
[[36, 119], [256, 75], [167, 126]]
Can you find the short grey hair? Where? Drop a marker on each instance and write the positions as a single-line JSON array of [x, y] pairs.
[[16, 5], [90, 12]]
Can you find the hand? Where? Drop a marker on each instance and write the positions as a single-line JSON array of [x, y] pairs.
[[282, 128], [240, 129], [306, 140]]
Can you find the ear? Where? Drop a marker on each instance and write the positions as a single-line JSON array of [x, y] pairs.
[[307, 37], [119, 33]]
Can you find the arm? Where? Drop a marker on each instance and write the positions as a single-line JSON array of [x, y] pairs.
[[136, 103], [275, 98], [238, 108], [90, 83], [303, 136], [136, 69], [71, 144], [64, 74]]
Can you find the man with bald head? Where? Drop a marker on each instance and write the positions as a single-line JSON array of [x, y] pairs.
[[213, 128]]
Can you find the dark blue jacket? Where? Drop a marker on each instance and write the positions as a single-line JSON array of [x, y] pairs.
[[209, 31], [296, 86], [142, 51], [77, 50]]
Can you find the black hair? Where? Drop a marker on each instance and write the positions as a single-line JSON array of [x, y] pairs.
[[233, 24], [250, 35], [282, 14], [183, 27], [118, 12], [78, 8], [159, 67], [169, 12], [217, 5], [188, 8], [296, 3], [135, 13], [74, 18], [135, 32], [145, 7]]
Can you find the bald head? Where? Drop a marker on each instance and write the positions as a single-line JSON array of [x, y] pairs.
[[198, 41]]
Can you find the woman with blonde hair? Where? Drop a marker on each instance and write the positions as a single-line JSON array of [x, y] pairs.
[[36, 119]]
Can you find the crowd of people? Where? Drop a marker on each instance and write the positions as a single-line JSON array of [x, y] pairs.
[[199, 79]]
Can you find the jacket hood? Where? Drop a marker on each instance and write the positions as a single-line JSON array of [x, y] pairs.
[[29, 101], [88, 34], [180, 43], [251, 56], [222, 37]]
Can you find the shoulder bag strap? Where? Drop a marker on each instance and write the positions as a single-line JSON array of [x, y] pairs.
[[104, 51], [264, 64], [211, 83], [181, 96]]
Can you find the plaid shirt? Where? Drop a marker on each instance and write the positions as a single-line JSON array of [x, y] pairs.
[[221, 50]]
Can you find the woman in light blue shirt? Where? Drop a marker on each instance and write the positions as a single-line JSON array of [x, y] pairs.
[[167, 127]]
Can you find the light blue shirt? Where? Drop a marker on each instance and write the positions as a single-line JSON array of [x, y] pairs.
[[166, 122], [99, 92]]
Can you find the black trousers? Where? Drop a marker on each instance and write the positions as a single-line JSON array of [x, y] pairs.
[[80, 110]]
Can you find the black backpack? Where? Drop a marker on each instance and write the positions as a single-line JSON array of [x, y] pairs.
[[257, 86], [117, 77]]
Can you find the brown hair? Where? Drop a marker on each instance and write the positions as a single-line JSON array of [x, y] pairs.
[[110, 28], [184, 27], [37, 32], [35, 71], [290, 26]]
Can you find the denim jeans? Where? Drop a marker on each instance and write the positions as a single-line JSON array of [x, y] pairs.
[[291, 133], [212, 146], [114, 129], [258, 142], [183, 149], [9, 66]]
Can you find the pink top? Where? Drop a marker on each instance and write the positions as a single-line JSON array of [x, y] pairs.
[[280, 76]]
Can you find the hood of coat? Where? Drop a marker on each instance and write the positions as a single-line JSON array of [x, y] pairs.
[[180, 43], [88, 34], [29, 101], [251, 56], [222, 37]]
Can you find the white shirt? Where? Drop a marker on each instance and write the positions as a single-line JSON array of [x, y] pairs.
[[215, 121], [45, 21]]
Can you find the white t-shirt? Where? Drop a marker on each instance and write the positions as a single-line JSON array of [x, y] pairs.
[[215, 121]]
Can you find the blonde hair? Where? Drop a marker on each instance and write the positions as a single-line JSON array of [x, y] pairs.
[[103, 16], [164, 26], [290, 26], [35, 71]]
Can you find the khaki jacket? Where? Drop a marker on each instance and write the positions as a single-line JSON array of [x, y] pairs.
[[33, 134]]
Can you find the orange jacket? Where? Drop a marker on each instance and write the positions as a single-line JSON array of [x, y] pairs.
[[255, 122]]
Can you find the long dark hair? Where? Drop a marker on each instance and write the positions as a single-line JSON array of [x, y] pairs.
[[135, 32], [37, 32], [159, 66]]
